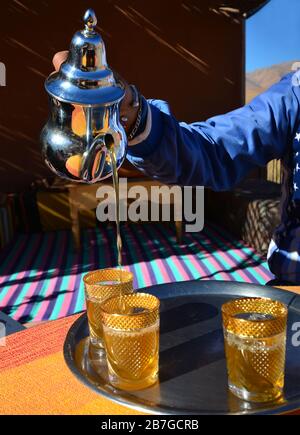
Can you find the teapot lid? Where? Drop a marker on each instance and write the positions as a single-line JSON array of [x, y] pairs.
[[85, 78]]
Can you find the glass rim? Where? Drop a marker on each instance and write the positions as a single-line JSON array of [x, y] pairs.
[[278, 316], [150, 310], [88, 275]]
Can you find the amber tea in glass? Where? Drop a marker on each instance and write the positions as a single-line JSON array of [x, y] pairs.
[[255, 347], [99, 286], [131, 337]]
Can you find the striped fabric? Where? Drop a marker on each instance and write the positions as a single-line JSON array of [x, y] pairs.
[[41, 275]]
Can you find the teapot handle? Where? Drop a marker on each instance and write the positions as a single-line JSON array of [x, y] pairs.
[[95, 158], [94, 161]]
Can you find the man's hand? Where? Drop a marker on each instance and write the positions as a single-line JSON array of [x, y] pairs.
[[59, 58], [128, 113]]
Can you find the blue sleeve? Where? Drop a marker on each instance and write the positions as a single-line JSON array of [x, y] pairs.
[[218, 153]]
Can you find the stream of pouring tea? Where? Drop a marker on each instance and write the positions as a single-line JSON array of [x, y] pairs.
[[116, 183], [122, 304], [117, 199], [113, 158]]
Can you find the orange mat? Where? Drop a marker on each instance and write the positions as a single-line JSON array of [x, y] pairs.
[[34, 378]]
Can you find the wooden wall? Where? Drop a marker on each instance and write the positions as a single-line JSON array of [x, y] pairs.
[[172, 49]]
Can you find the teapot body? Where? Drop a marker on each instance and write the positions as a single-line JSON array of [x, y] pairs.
[[77, 140], [83, 129]]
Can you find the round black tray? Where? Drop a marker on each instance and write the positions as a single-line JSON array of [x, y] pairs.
[[193, 378]]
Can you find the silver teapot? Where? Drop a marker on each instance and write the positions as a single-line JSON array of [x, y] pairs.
[[84, 129]]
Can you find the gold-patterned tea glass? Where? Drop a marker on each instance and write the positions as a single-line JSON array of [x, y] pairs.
[[255, 346], [99, 286], [131, 337]]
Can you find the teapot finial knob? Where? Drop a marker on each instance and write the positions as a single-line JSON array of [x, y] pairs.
[[90, 20]]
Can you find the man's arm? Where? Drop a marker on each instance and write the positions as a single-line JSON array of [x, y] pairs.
[[217, 153]]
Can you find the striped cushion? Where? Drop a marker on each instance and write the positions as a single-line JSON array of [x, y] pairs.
[[41, 275]]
